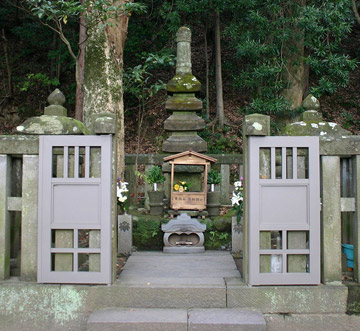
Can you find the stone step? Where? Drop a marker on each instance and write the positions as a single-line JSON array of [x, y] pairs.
[[228, 319], [136, 319]]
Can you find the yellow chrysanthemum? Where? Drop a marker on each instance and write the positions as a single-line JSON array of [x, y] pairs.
[[176, 187]]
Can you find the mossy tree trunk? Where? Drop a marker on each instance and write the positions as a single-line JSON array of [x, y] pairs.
[[218, 71], [80, 63], [295, 73], [103, 78]]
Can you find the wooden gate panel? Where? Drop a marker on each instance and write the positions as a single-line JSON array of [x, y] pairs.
[[75, 209], [284, 211]]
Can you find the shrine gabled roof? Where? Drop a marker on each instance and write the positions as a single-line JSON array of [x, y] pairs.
[[189, 153]]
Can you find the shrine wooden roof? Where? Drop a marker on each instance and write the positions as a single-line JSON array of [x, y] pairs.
[[189, 154]]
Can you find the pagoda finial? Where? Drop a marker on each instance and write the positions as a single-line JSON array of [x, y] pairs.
[[183, 51]]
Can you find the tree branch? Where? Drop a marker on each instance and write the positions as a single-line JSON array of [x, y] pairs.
[[356, 12]]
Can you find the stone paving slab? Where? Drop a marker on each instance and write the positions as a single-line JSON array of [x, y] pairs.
[[170, 281], [225, 320], [198, 268], [313, 322], [138, 320], [176, 320]]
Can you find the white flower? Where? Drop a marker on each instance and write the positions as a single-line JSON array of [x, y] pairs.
[[238, 184], [234, 201], [118, 191], [123, 186], [236, 198], [122, 198]]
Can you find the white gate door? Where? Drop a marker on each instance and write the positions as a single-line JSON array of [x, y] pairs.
[[74, 244], [284, 210]]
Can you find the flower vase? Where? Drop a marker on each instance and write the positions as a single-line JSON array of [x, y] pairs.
[[213, 203], [156, 202]]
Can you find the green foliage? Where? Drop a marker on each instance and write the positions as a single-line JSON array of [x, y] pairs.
[[217, 142], [59, 11], [214, 177], [215, 238], [266, 35], [349, 120], [39, 78], [138, 83], [147, 234], [153, 176], [353, 308], [325, 27]]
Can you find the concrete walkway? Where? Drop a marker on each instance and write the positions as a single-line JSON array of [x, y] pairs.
[[211, 280], [157, 268]]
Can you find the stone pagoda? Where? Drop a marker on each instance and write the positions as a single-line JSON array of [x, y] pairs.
[[183, 124]]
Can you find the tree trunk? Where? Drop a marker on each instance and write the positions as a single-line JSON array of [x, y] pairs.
[[103, 79], [80, 67], [207, 71], [7, 62], [295, 74], [356, 12], [219, 85]]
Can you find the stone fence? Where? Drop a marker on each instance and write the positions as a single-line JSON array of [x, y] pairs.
[[340, 192]]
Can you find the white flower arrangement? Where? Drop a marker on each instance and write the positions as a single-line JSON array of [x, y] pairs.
[[121, 191], [237, 199]]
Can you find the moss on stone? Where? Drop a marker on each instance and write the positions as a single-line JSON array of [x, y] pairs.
[[46, 124], [184, 82], [310, 128], [183, 102]]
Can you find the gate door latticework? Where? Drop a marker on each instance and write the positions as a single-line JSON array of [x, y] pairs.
[[284, 211], [74, 209]]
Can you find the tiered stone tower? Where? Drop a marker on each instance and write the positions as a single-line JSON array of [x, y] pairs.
[[184, 123]]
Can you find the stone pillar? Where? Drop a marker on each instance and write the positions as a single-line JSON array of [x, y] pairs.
[[131, 178], [237, 235], [147, 187], [357, 220], [254, 125], [331, 219], [4, 217], [224, 184], [124, 234], [29, 236], [183, 124]]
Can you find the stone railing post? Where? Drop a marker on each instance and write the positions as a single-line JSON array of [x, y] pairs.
[[224, 184], [357, 220], [254, 125], [4, 217], [29, 227], [331, 219]]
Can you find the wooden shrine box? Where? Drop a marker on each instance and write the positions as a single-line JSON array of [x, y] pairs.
[[189, 200]]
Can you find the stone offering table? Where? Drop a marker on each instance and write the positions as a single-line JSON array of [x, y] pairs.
[[184, 235]]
